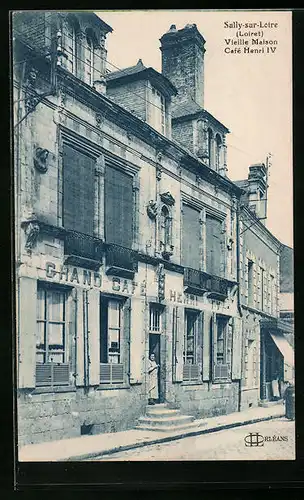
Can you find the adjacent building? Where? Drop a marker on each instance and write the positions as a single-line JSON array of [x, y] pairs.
[[127, 235], [267, 355]]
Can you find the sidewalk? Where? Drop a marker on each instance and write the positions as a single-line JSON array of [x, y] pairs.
[[88, 447]]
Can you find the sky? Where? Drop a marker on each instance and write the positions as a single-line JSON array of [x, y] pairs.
[[250, 93]]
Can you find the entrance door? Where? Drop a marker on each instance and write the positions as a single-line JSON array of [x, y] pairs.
[[154, 347]]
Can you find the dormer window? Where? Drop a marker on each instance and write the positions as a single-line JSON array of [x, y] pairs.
[[218, 147], [210, 148], [70, 32], [90, 52], [158, 111]]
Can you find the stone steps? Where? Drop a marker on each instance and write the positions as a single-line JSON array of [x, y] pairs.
[[161, 418]]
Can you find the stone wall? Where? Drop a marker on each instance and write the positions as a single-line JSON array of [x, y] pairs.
[[51, 416]]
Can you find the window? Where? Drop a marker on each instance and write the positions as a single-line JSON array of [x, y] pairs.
[[111, 341], [89, 60], [118, 207], [52, 366], [190, 337], [218, 147], [111, 333], [155, 318], [192, 238], [191, 333], [78, 190], [250, 282], [70, 44], [215, 255], [272, 295], [210, 148], [262, 289], [220, 349], [158, 111], [221, 341]]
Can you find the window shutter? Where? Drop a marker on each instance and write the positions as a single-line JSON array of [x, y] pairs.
[[191, 238], [206, 344], [214, 343], [78, 190], [137, 340], [178, 343], [199, 343], [79, 304], [259, 302], [118, 207], [93, 333], [236, 371], [72, 339], [214, 245], [126, 336], [27, 332]]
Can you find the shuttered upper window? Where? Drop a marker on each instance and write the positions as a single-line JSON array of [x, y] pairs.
[[78, 190], [214, 245], [118, 207], [191, 238]]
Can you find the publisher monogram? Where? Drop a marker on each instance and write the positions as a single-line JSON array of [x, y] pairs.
[[254, 439]]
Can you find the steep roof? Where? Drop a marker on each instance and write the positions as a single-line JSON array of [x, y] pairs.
[[189, 109], [286, 270], [138, 72]]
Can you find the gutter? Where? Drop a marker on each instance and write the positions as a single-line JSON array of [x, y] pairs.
[[238, 275]]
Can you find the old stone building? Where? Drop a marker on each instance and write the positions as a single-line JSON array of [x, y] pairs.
[[266, 352], [126, 235]]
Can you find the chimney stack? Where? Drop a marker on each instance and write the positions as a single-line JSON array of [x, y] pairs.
[[257, 190], [183, 63]]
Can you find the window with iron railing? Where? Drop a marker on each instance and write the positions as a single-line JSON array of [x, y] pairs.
[[82, 245], [52, 367]]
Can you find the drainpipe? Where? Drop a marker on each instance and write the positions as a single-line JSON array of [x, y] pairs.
[[238, 278]]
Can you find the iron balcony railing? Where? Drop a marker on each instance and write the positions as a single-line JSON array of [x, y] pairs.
[[83, 245], [121, 257], [199, 281]]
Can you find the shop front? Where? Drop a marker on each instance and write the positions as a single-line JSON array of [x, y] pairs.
[[277, 359]]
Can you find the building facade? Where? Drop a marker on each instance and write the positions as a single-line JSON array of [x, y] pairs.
[[127, 234], [267, 356]]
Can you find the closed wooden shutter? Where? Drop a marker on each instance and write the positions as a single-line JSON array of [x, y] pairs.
[[72, 334], [214, 245], [178, 343], [191, 238], [93, 334], [78, 190], [79, 305], [236, 369], [118, 207], [27, 332], [207, 345], [214, 344], [199, 343], [137, 340]]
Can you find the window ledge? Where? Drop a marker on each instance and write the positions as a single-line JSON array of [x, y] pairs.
[[46, 390], [192, 382], [107, 387], [222, 381]]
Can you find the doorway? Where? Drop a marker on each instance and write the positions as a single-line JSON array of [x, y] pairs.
[[154, 348]]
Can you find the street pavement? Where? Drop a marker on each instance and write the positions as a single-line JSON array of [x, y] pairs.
[[227, 444]]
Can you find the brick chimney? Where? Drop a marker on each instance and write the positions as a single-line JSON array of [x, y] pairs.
[[183, 63]]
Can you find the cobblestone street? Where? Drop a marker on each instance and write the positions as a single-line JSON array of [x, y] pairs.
[[222, 445]]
